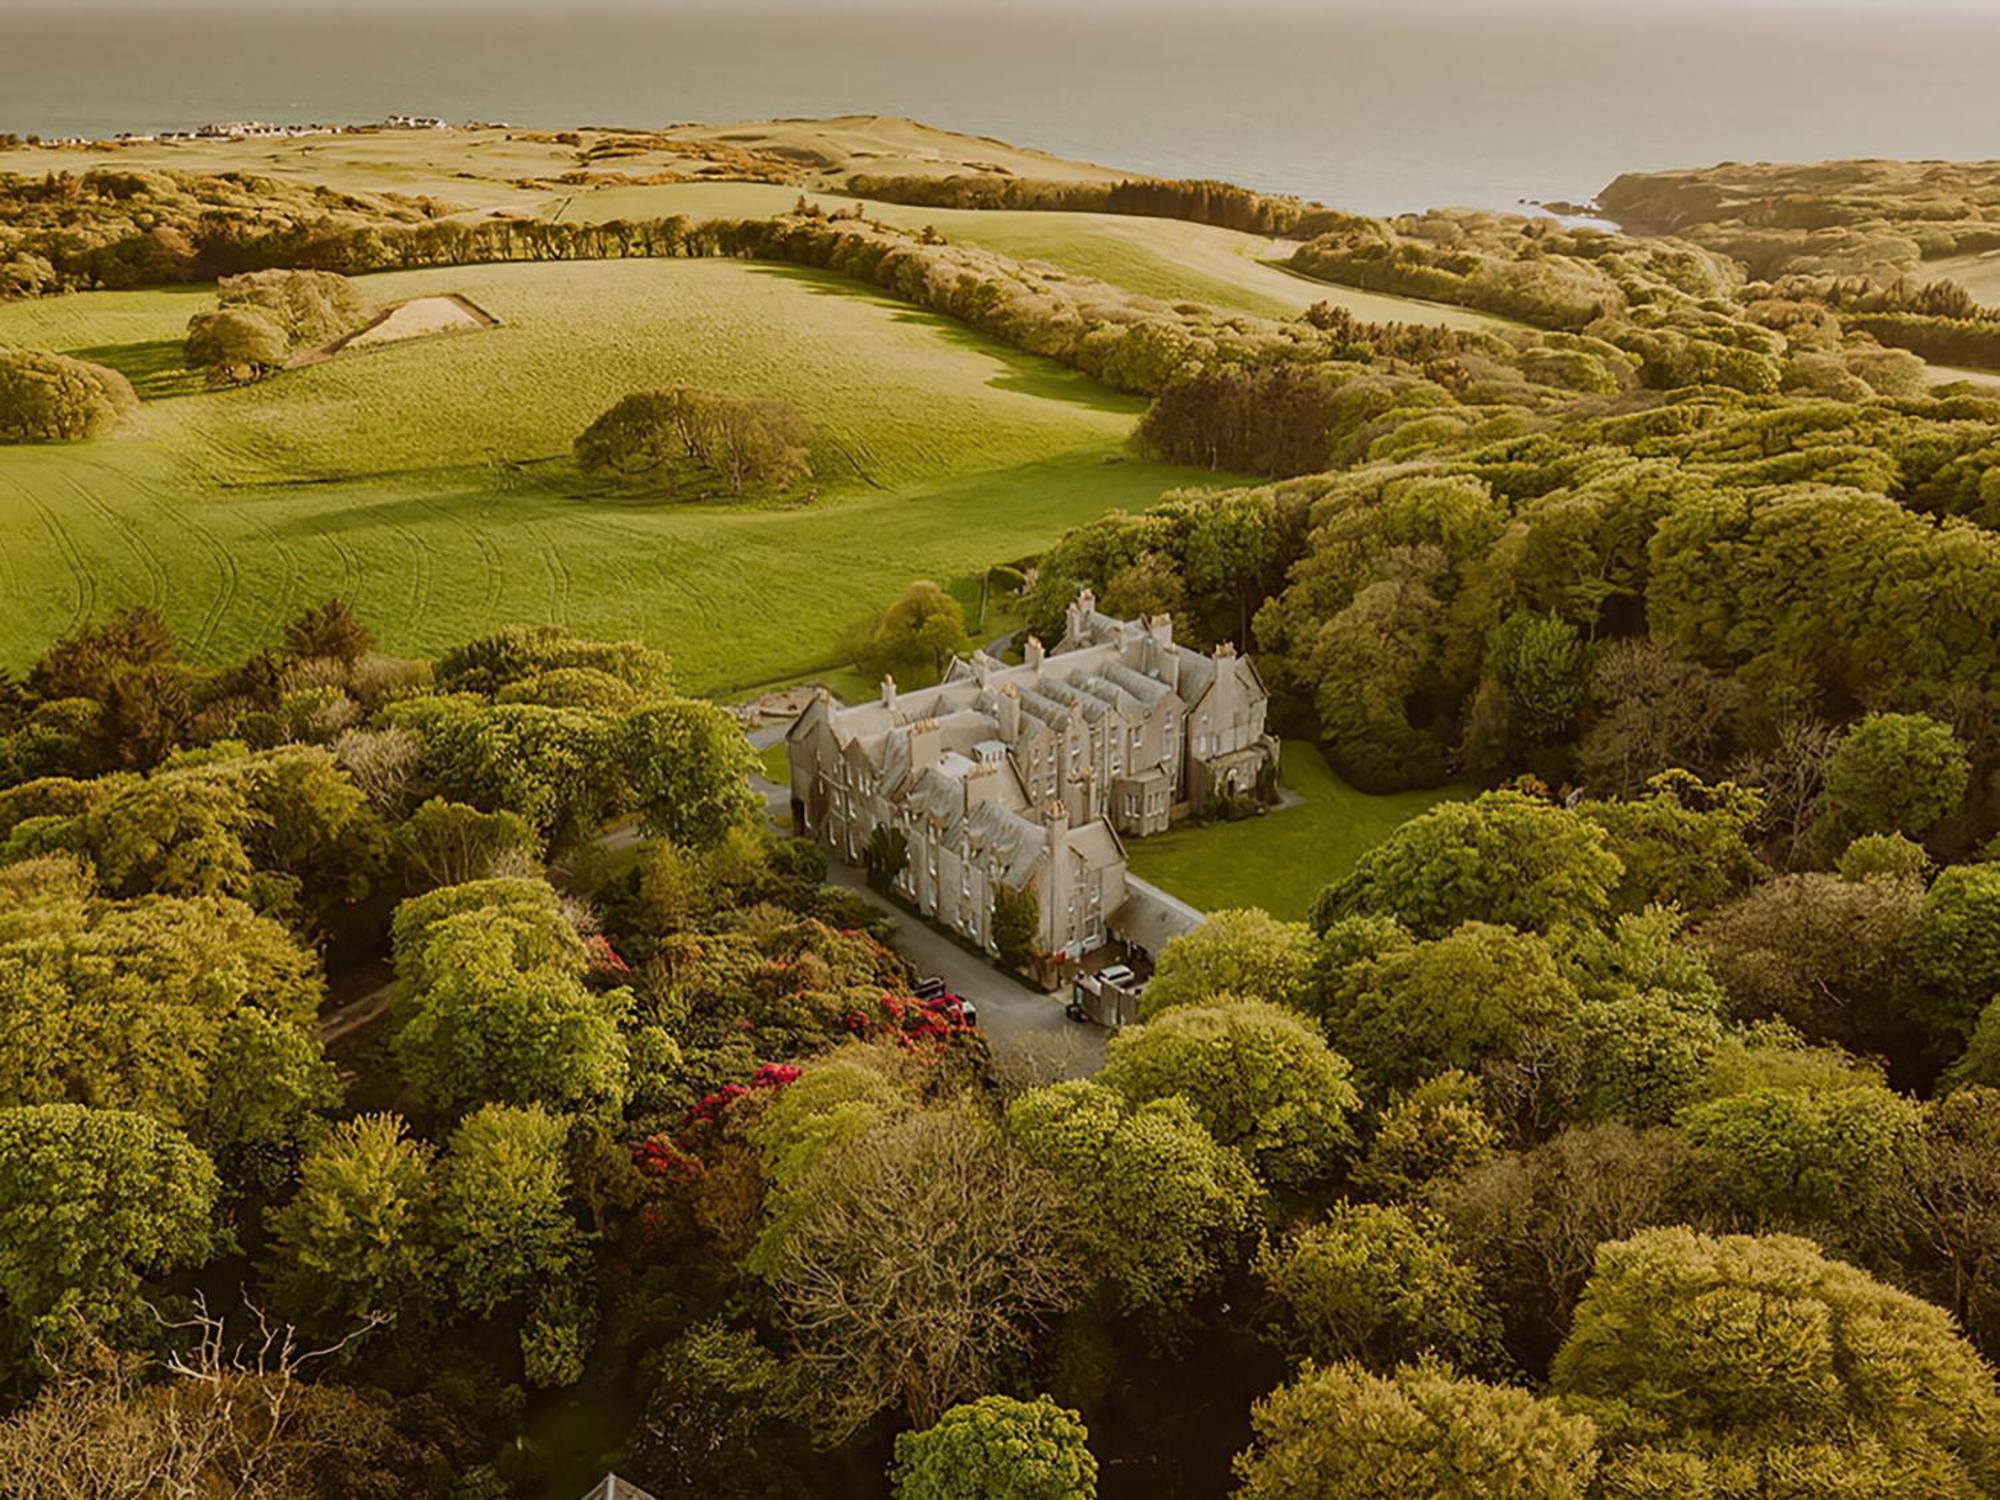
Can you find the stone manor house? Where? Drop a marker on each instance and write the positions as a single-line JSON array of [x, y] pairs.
[[1036, 774]]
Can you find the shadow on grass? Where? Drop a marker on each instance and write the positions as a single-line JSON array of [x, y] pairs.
[[155, 368], [1027, 374]]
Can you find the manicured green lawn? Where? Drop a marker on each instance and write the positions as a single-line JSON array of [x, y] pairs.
[[776, 761], [430, 481], [1281, 860]]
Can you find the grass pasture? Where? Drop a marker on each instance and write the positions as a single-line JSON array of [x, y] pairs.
[[429, 480], [1166, 258], [1978, 274], [1281, 860]]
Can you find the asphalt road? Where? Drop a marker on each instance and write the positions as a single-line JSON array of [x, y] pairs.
[[1033, 1041]]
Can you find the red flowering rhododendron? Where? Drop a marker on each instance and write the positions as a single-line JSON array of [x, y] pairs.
[[659, 1157], [920, 1026], [603, 956], [675, 1159]]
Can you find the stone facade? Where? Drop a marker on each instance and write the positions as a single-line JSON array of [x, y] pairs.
[[1034, 775]]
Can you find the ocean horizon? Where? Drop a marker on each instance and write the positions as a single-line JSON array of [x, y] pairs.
[[1366, 107]]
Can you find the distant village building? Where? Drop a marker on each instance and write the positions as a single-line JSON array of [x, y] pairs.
[[248, 130], [413, 122], [1034, 775]]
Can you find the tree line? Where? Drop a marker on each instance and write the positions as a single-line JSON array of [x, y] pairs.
[[1200, 201]]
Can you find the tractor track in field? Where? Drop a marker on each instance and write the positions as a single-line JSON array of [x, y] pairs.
[[420, 567], [287, 557], [159, 583], [560, 579], [496, 573], [86, 584], [225, 563]]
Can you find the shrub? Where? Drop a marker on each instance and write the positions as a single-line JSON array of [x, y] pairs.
[[49, 398]]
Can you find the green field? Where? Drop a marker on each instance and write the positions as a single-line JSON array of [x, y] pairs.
[[1165, 258], [1281, 860], [429, 481]]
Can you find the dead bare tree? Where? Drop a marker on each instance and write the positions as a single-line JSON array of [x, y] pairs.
[[217, 1420], [922, 1263]]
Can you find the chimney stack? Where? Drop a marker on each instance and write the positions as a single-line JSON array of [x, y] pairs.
[[888, 690], [1032, 652], [1007, 713], [1079, 617]]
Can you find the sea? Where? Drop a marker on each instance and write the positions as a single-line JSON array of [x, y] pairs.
[[1377, 106]]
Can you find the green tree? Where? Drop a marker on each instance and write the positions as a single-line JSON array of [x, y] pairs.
[[447, 843], [1422, 1433], [918, 635], [1379, 1284], [1478, 994], [1980, 1062], [493, 1007], [667, 437], [95, 1204], [1641, 1055], [688, 765], [647, 434], [1810, 1159], [236, 344], [329, 629], [1958, 953], [1017, 923], [1162, 1205], [1427, 1138], [997, 1448], [1883, 856], [1543, 666], [500, 1217], [351, 1241], [557, 767], [1259, 1079], [1504, 858], [1246, 952], [1895, 773], [1682, 843], [1763, 1346], [888, 855], [49, 398], [197, 1012], [489, 664]]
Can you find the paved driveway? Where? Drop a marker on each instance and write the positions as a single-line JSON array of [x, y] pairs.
[[1033, 1040]]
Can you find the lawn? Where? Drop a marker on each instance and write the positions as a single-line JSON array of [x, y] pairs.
[[1280, 861], [430, 481]]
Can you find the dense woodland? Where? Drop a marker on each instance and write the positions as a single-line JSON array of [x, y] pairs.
[[1631, 1127]]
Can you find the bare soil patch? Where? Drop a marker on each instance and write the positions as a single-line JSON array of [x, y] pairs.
[[420, 317]]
